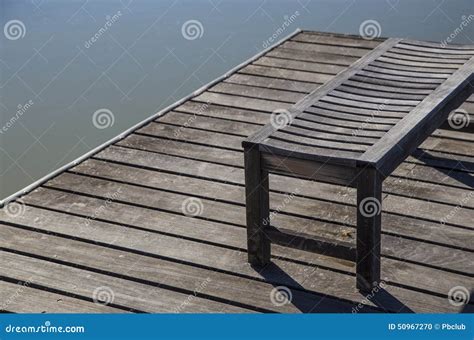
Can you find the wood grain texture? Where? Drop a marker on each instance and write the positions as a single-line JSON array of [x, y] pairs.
[[72, 236]]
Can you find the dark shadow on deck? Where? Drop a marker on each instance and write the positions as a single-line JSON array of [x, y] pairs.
[[382, 299]]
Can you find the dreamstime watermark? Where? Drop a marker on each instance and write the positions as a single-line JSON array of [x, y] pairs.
[[370, 207], [190, 298], [288, 20], [192, 30], [370, 29], [103, 295], [192, 206], [459, 119], [281, 295], [368, 121], [11, 299], [288, 198], [110, 20], [177, 132], [467, 197], [281, 118], [369, 297], [46, 328], [465, 21], [110, 198], [458, 296], [21, 110], [14, 30], [15, 209], [103, 118]]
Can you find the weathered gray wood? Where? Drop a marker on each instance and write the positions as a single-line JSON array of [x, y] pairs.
[[312, 243], [421, 60], [437, 45], [333, 39], [242, 102], [327, 87], [309, 77], [271, 83], [257, 92], [20, 297], [433, 82], [300, 65], [221, 284], [360, 104], [355, 110], [369, 219], [332, 173], [390, 89], [308, 141], [420, 254], [395, 64], [438, 57], [379, 93], [329, 136], [321, 57], [224, 112], [412, 74], [378, 81], [437, 50], [400, 141], [366, 97], [126, 294], [258, 208], [356, 125]]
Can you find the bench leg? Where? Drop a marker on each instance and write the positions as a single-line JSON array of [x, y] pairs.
[[257, 207], [369, 219]]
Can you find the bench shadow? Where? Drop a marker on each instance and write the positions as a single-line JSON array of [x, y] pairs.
[[323, 303], [431, 160], [469, 306]]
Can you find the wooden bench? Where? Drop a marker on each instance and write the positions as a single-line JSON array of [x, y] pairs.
[[354, 131]]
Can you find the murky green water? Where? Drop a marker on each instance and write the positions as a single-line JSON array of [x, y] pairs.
[[62, 61]]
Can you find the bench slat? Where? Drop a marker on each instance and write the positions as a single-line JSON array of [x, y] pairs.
[[400, 141], [375, 112]]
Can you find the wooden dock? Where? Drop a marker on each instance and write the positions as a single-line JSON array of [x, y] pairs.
[[156, 221]]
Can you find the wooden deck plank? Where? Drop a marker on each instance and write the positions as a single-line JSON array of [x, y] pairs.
[[144, 245], [309, 189], [135, 295], [20, 297], [172, 202], [232, 262]]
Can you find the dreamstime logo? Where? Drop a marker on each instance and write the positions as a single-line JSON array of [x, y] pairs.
[[287, 21], [370, 29], [110, 20], [370, 207], [281, 118], [192, 206], [281, 296], [467, 197], [103, 295], [465, 21], [103, 118], [191, 297], [15, 209], [459, 119], [192, 30], [458, 296], [14, 30], [21, 110], [369, 297]]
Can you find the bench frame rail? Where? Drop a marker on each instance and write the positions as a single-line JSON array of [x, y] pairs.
[[366, 173]]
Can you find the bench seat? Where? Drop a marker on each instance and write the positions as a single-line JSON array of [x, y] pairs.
[[354, 131]]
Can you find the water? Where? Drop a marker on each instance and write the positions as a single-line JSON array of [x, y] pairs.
[[141, 62]]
